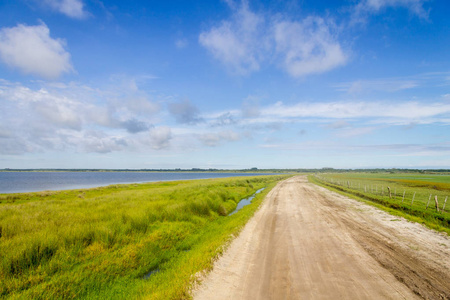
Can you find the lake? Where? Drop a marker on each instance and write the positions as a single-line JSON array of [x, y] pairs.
[[21, 182]]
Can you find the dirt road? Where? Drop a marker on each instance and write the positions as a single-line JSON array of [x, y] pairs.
[[306, 242]]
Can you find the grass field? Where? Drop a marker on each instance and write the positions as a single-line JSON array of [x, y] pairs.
[[122, 241], [411, 195]]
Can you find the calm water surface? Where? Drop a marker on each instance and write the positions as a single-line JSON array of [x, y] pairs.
[[20, 182], [245, 202]]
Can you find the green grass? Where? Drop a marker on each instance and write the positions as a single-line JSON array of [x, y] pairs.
[[101, 243], [402, 176], [419, 192]]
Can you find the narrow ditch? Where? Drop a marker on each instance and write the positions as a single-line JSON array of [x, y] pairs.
[[147, 276], [245, 202], [240, 205]]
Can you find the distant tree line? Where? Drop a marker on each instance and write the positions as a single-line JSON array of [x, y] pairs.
[[251, 170]]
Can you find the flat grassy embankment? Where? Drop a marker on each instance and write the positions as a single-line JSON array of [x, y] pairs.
[[411, 195], [122, 241]]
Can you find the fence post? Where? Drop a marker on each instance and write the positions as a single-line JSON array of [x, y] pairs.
[[413, 198], [428, 201], [389, 189], [403, 196], [436, 203], [443, 208]]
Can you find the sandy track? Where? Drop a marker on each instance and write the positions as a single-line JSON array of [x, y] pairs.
[[306, 242]]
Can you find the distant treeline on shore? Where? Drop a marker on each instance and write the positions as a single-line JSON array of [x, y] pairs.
[[252, 170]]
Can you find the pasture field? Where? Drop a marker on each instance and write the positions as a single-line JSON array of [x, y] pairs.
[[410, 195], [122, 241]]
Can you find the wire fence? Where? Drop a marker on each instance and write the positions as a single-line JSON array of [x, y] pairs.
[[419, 199]]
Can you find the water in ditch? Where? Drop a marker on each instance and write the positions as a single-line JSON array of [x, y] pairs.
[[245, 202]]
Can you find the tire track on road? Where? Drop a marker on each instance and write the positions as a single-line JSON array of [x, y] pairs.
[[306, 242]]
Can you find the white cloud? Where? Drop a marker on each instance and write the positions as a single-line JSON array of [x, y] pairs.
[[387, 150], [307, 47], [73, 117], [237, 43], [76, 117], [249, 39], [225, 119], [345, 114], [71, 8], [384, 85], [141, 105], [339, 124], [215, 139], [250, 107], [185, 112], [97, 141], [365, 7], [355, 132], [344, 129], [45, 107], [14, 146], [394, 84], [307, 145], [31, 50], [4, 132], [61, 112], [401, 111], [160, 137], [134, 126]]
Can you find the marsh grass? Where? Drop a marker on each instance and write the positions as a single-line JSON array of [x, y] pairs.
[[373, 189], [101, 243]]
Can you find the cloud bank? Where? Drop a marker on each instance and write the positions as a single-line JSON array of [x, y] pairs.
[[74, 118], [77, 118]]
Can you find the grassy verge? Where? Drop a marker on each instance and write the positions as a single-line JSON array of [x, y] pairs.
[[395, 205], [123, 241]]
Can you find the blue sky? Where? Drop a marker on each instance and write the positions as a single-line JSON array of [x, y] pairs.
[[224, 84]]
